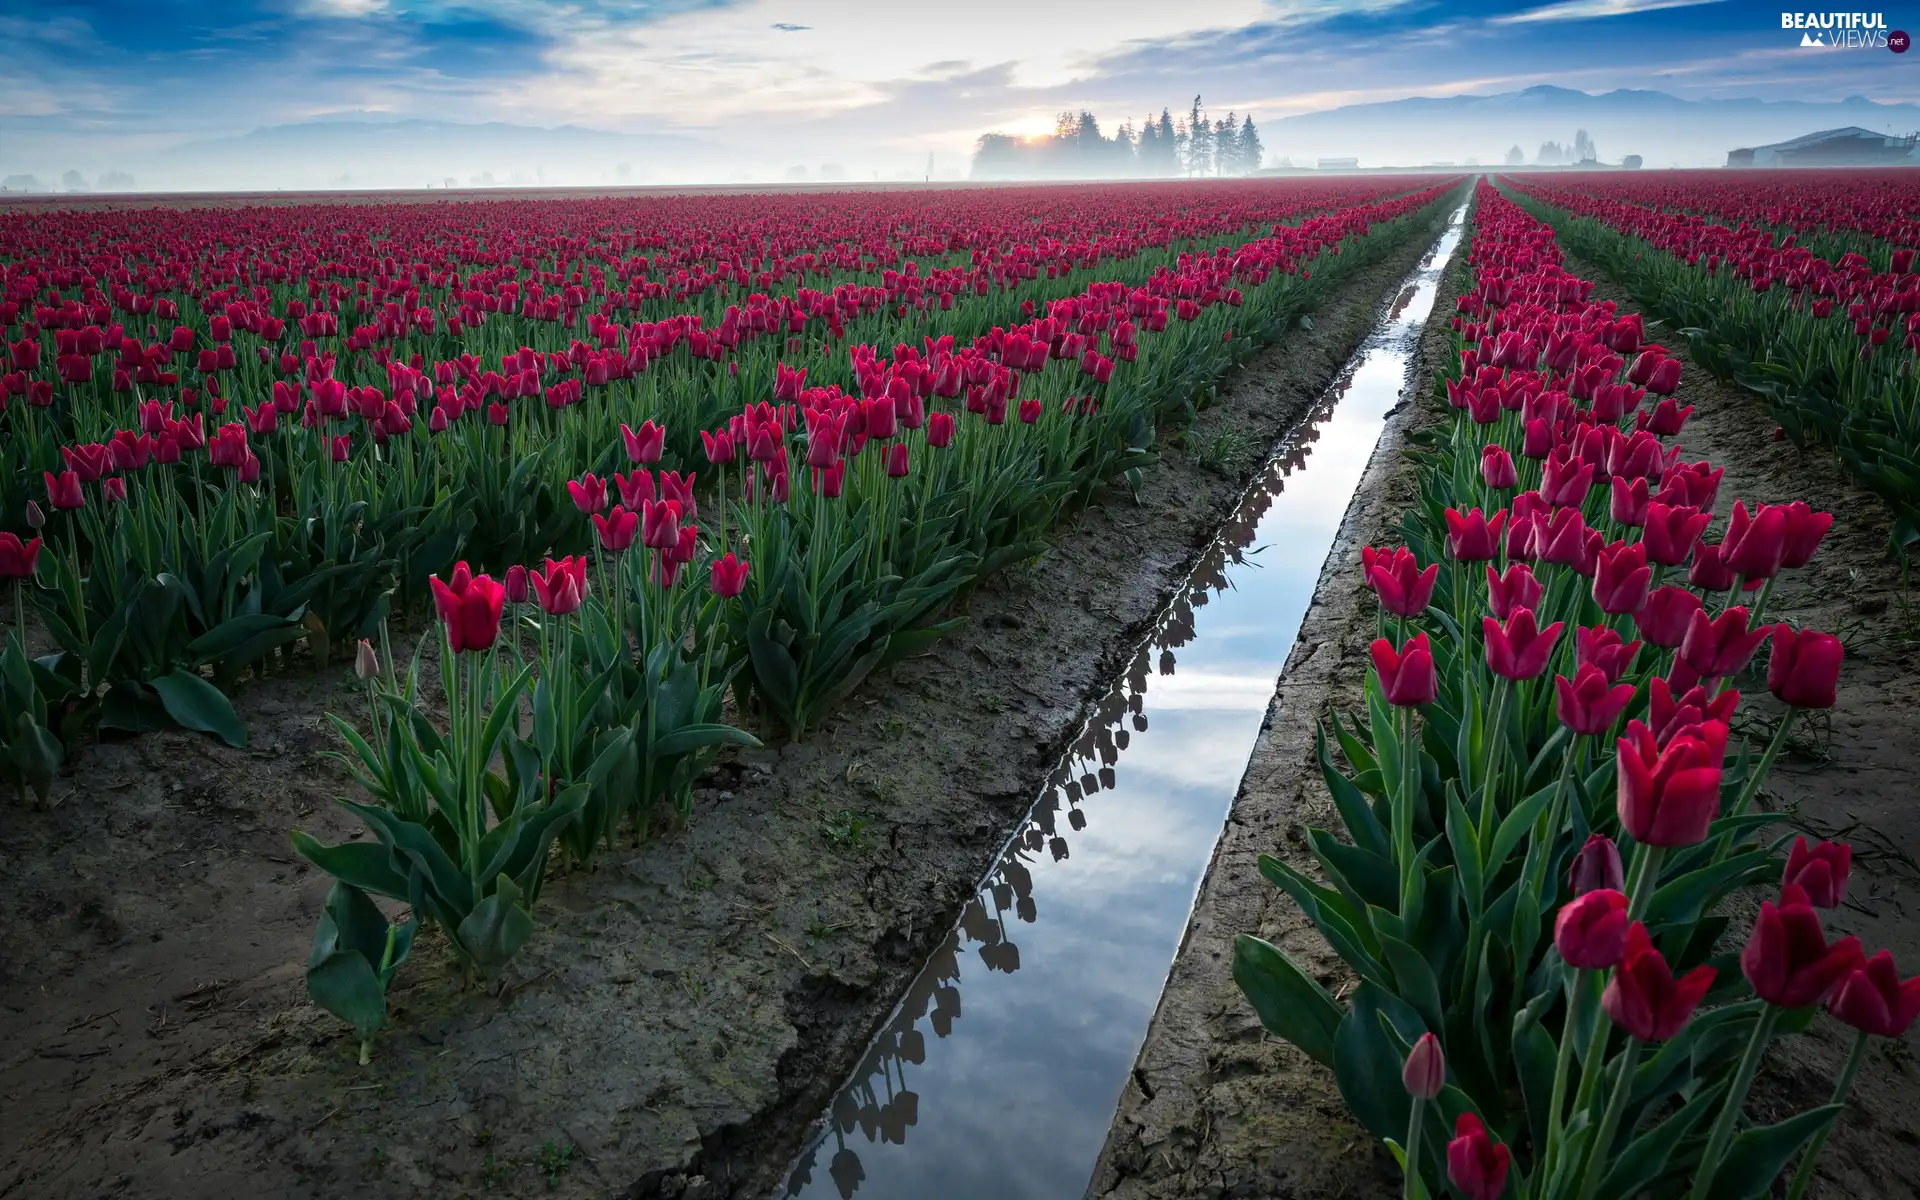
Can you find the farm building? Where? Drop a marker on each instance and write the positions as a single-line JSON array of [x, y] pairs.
[[1849, 147]]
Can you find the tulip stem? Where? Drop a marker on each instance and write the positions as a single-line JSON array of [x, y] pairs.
[[1496, 746], [1736, 1098], [1592, 1062], [1563, 1061], [1403, 812], [1413, 1189], [1804, 1176], [1643, 878], [1597, 1153]]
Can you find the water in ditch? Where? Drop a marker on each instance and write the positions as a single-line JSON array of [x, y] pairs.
[[1061, 955]]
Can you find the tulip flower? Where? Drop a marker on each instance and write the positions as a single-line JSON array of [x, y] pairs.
[[1519, 650], [1591, 930], [1669, 795], [1787, 958], [1404, 589], [645, 444], [1875, 1000], [1621, 578], [366, 664], [1643, 997], [589, 493], [470, 607], [1804, 529], [1721, 646], [896, 460], [617, 528], [1587, 704], [940, 430], [1406, 675], [1425, 1072], [1667, 615], [1476, 1163], [660, 524], [1664, 380], [1755, 546], [63, 492], [1566, 541], [1496, 467], [1672, 531], [728, 576], [1605, 649], [1596, 866], [1471, 537], [18, 559], [1820, 871], [1628, 501], [635, 489], [719, 448], [1668, 713], [516, 584], [1804, 668], [560, 586], [1514, 590]]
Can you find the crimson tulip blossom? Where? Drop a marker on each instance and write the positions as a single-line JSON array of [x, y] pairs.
[[1404, 589], [1820, 871], [1471, 537], [728, 576], [1586, 703], [1804, 668], [1669, 794], [1621, 578], [1756, 544], [1721, 646], [1514, 590], [1604, 648], [645, 444], [470, 607], [1519, 649], [589, 493], [1591, 930], [1804, 530], [1874, 999], [1787, 958], [1406, 675], [1644, 998], [1596, 866], [1628, 501], [1496, 467], [617, 528], [1672, 531], [1476, 1163], [1667, 615], [1668, 713], [63, 491], [560, 586], [18, 559]]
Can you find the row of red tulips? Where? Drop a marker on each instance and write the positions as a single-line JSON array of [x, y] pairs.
[[1544, 1007]]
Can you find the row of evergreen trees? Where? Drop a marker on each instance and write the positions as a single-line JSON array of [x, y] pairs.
[[1162, 146], [1553, 154]]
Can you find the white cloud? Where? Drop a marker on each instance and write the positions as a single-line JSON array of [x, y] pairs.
[[1588, 10]]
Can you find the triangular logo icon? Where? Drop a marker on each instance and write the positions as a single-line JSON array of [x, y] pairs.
[[1807, 39]]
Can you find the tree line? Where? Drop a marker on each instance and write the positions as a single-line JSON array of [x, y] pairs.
[[1159, 147]]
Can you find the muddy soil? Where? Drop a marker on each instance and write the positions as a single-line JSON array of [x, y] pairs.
[[1217, 1108], [683, 1010]]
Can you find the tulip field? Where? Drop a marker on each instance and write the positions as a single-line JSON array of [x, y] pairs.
[[1543, 811], [670, 475]]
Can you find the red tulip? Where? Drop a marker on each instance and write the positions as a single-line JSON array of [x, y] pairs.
[[1664, 380], [1672, 531], [470, 607], [1668, 795], [1874, 999], [940, 429], [646, 444], [1621, 578], [617, 528], [1514, 590], [1668, 714], [1723, 645], [1591, 930], [64, 491], [1406, 675], [719, 447], [1668, 614], [1496, 467], [1476, 1163], [1804, 668], [517, 584], [560, 586], [1805, 528], [1425, 1072], [1755, 546], [1586, 704], [659, 525], [1820, 871], [1603, 648], [18, 559], [1596, 866], [1629, 501], [1644, 998], [589, 493], [1787, 958], [1473, 538], [1668, 418], [1404, 589], [896, 459], [729, 576], [1519, 650], [635, 488], [1566, 541]]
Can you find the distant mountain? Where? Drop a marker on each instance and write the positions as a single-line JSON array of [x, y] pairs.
[[1664, 130], [371, 151]]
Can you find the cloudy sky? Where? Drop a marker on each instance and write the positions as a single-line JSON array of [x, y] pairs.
[[865, 82]]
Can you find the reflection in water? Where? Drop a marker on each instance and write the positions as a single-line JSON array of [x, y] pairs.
[[1018, 1104]]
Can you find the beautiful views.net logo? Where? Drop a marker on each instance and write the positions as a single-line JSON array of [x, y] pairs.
[[1838, 30]]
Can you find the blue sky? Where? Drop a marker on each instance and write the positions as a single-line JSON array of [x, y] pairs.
[[859, 79]]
